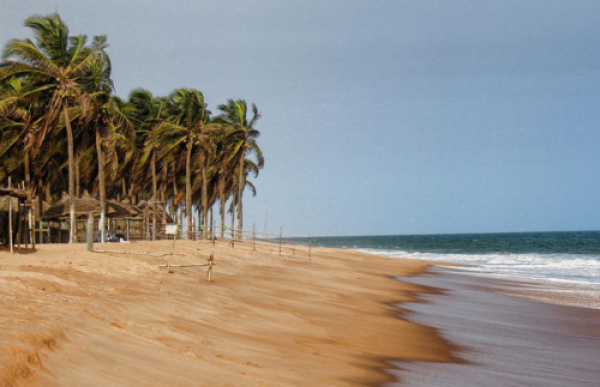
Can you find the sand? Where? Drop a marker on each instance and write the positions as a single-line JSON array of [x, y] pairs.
[[76, 318]]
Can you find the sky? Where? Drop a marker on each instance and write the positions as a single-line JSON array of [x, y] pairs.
[[381, 117]]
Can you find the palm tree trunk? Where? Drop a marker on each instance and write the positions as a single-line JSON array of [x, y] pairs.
[[233, 215], [48, 193], [71, 162], [204, 200], [102, 185], [40, 206], [27, 174], [222, 203], [175, 193], [241, 184], [124, 188], [188, 188], [77, 182], [154, 198]]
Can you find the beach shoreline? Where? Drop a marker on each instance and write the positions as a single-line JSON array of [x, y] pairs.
[[504, 339], [337, 317], [74, 317]]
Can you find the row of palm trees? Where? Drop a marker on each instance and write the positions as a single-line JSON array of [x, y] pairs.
[[58, 114]]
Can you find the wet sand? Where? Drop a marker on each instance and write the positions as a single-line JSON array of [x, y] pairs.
[[504, 340], [75, 318]]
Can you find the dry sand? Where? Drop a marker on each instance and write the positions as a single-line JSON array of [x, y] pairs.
[[76, 318]]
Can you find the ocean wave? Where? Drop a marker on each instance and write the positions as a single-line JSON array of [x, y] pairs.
[[577, 269]]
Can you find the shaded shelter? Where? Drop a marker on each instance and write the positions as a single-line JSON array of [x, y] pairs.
[[154, 210], [11, 221], [127, 218], [60, 212]]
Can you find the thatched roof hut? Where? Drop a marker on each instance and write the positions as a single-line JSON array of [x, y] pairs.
[[133, 209], [83, 206], [13, 192], [120, 210], [11, 200], [149, 207]]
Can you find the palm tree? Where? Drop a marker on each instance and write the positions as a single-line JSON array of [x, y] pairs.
[[186, 129], [242, 139], [96, 104], [20, 116], [57, 63], [150, 113]]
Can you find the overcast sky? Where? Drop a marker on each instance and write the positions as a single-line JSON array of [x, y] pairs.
[[381, 116]]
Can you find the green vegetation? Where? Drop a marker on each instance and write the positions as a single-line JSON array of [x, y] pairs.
[[56, 95]]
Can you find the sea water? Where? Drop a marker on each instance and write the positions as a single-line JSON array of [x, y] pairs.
[[567, 258]]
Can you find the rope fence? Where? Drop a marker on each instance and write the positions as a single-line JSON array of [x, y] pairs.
[[291, 246]]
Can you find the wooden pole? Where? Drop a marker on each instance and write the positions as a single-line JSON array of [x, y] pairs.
[[32, 223], [253, 237], [10, 238], [280, 238], [309, 246], [19, 223], [210, 266], [90, 232]]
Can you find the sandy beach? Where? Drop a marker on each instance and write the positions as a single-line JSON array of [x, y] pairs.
[[75, 318]]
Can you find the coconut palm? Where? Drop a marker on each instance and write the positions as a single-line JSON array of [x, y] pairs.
[[150, 113], [242, 142], [57, 63], [95, 103], [186, 129]]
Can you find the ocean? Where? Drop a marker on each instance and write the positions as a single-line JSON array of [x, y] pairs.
[[565, 258]]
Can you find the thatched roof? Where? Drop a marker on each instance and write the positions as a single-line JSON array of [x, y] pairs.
[[13, 192], [83, 206], [133, 209], [151, 206], [120, 210]]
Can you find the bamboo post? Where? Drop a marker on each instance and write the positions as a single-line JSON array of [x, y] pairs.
[[280, 238], [10, 239]]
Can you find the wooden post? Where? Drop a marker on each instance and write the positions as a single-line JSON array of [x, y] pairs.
[[210, 266], [253, 237], [280, 238], [19, 223], [10, 239], [309, 246], [90, 232], [32, 223], [174, 239]]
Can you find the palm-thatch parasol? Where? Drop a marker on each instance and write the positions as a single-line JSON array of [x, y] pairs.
[[83, 206]]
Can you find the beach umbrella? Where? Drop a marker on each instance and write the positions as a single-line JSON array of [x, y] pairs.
[[83, 206]]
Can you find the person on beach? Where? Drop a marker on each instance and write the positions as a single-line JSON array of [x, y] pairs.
[[119, 234]]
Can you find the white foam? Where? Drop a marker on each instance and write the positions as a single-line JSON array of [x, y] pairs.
[[575, 269]]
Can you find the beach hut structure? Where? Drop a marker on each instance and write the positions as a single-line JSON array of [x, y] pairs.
[[127, 217], [154, 210], [12, 226], [59, 213]]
